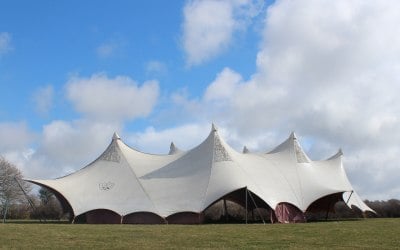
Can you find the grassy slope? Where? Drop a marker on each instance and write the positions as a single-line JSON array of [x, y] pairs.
[[362, 234]]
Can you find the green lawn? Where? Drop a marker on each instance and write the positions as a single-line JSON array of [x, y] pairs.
[[361, 234]]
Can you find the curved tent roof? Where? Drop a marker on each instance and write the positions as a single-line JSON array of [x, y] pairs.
[[126, 181]]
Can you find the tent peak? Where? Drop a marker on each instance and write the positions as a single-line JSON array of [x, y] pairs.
[[116, 136], [337, 155], [173, 149], [213, 127]]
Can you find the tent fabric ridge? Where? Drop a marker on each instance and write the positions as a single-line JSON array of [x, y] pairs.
[[335, 156], [111, 154], [283, 146], [279, 170], [213, 133], [300, 154], [301, 187], [220, 153], [141, 185], [141, 152]]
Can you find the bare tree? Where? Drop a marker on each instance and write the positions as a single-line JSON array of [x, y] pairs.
[[10, 189]]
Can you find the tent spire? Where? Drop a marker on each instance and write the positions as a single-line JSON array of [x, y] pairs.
[[116, 136], [213, 127], [173, 149], [337, 155], [299, 152]]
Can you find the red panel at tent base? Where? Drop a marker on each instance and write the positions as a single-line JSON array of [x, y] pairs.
[[288, 213]]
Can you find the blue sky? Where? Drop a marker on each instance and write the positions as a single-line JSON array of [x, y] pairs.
[[73, 72], [52, 41]]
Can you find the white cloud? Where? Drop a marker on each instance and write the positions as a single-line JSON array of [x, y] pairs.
[[64, 147], [118, 98], [70, 142], [184, 137], [224, 86], [209, 26], [5, 43], [43, 99], [16, 143], [329, 71], [14, 136]]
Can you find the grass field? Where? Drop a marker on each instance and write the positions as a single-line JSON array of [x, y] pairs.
[[357, 234]]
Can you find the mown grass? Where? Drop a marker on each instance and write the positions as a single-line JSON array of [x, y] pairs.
[[359, 234]]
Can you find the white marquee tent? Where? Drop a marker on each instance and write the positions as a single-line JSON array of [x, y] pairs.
[[127, 186]]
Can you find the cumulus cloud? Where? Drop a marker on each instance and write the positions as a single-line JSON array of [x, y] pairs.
[[14, 136], [62, 147], [69, 143], [328, 70], [224, 86], [43, 99], [5, 43], [119, 98], [16, 141], [184, 137], [209, 26]]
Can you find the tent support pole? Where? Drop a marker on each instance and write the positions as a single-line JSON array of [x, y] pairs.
[[5, 210], [23, 191], [225, 211], [28, 199], [246, 204], [329, 208], [327, 212], [258, 210], [348, 199]]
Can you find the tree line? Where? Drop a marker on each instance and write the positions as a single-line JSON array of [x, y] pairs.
[[18, 201]]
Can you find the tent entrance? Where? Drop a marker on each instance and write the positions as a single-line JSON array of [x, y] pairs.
[[239, 206]]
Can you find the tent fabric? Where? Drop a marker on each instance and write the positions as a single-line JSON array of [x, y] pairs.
[[182, 184]]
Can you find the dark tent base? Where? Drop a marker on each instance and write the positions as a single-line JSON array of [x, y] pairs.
[[104, 216], [230, 208], [186, 218], [143, 218], [98, 216]]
